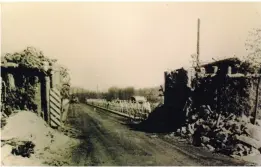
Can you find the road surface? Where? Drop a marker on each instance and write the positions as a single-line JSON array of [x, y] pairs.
[[106, 139]]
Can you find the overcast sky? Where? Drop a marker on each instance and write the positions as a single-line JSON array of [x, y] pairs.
[[127, 44]]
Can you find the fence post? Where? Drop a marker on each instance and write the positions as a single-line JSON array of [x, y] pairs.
[[62, 112], [256, 100]]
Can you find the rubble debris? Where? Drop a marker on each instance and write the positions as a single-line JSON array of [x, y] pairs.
[[210, 148], [153, 136], [253, 131], [183, 130], [204, 139], [222, 132], [25, 149], [249, 141]]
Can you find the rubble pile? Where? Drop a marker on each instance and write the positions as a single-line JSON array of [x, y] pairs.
[[225, 133], [23, 148], [26, 138]]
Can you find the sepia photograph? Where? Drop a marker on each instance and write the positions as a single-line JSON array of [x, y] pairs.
[[130, 83]]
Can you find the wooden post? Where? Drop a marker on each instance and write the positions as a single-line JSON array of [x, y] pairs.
[[62, 112], [256, 100], [37, 97], [52, 79], [47, 99]]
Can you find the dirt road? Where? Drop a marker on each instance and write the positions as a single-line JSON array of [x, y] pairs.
[[107, 140]]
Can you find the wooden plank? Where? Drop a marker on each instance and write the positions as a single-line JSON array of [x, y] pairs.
[[54, 117], [54, 107], [55, 99], [54, 95], [55, 121], [58, 115], [55, 102], [56, 92], [55, 124], [54, 113]]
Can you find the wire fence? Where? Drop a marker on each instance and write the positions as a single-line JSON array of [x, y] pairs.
[[134, 109]]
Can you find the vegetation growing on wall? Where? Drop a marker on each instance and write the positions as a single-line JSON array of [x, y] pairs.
[[30, 58], [21, 97], [32, 65], [224, 94]]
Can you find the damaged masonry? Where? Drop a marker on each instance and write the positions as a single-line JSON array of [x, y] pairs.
[[219, 107]]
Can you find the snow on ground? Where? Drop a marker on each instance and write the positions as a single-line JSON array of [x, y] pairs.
[[27, 126]]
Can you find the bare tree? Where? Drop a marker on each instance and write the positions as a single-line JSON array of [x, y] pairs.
[[253, 47]]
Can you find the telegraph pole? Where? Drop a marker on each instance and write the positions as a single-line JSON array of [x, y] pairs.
[[198, 43], [197, 67]]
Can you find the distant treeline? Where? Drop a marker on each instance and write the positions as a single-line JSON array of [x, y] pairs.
[[151, 94]]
